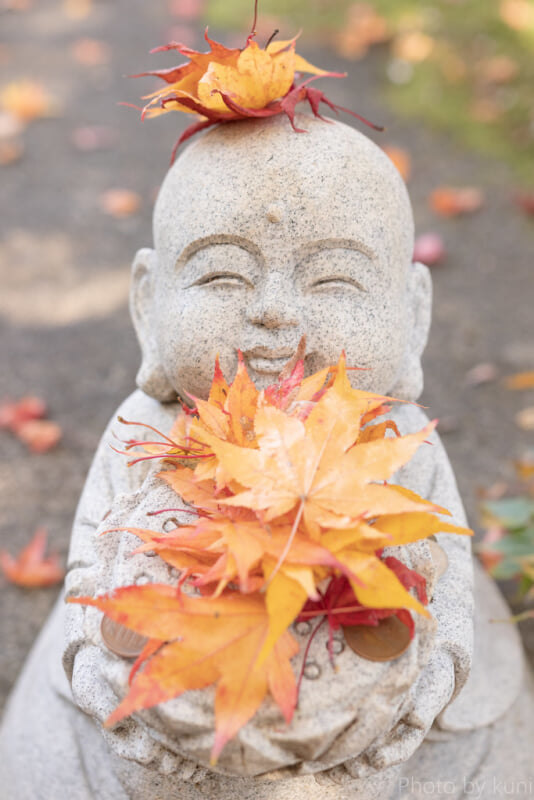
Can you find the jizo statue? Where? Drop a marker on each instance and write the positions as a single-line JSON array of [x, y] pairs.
[[262, 236]]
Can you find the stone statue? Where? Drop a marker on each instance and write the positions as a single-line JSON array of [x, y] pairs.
[[263, 235]]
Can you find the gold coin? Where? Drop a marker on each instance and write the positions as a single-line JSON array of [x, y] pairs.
[[383, 642], [121, 640], [439, 557]]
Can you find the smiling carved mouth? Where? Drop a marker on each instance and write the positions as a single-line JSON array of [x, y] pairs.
[[267, 360]]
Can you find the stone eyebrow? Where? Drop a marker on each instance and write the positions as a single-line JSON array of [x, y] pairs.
[[214, 239], [337, 244]]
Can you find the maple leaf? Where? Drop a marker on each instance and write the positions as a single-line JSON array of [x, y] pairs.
[[288, 490], [31, 568], [429, 249], [519, 381], [226, 84], [448, 201], [207, 642], [25, 419], [28, 100], [340, 605], [14, 414]]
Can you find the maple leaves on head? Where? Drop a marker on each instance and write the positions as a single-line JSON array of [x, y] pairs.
[[290, 488], [227, 84]]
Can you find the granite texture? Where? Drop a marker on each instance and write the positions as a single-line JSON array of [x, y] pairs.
[[261, 236]]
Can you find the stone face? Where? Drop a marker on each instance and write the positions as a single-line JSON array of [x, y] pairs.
[[335, 264], [262, 236]]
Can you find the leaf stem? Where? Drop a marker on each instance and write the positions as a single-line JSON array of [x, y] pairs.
[[305, 656], [252, 33], [289, 542]]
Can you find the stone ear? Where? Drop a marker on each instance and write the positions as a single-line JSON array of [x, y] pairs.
[[409, 384], [151, 377]]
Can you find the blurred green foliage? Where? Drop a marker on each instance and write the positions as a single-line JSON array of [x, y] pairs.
[[466, 66]]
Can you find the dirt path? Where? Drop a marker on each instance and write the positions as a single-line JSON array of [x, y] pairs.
[[64, 270]]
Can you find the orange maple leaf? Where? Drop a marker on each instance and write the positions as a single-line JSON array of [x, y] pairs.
[[31, 568], [207, 642], [290, 490], [228, 84]]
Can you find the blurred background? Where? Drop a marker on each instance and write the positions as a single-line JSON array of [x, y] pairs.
[[452, 82]]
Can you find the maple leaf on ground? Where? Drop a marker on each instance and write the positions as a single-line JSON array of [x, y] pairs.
[[24, 418], [14, 414], [208, 642], [120, 203], [28, 100], [520, 381], [39, 435], [448, 201], [429, 249], [525, 201], [31, 568], [401, 159]]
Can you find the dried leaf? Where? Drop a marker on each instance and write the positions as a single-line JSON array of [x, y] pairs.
[[90, 52], [288, 490], [16, 5], [413, 46], [14, 414], [525, 419], [480, 374], [429, 249], [401, 159], [11, 151], [485, 109], [363, 29], [209, 641], [498, 69], [10, 126], [519, 381], [524, 466], [186, 9], [28, 100], [39, 435], [31, 568], [525, 201], [450, 202], [227, 84], [120, 203], [517, 14], [89, 138], [78, 9]]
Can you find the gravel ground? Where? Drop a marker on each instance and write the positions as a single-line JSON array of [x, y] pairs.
[[64, 269]]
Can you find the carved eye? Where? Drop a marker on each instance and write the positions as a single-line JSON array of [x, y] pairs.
[[341, 282], [223, 279]]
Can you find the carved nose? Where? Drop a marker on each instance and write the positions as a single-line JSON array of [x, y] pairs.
[[273, 314]]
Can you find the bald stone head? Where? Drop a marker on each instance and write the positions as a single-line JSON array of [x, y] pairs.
[[263, 235]]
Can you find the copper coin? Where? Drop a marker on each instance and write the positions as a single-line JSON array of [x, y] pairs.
[[383, 642], [120, 639], [439, 557]]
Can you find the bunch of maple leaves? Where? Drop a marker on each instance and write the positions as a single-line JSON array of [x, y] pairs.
[[293, 511], [228, 84]]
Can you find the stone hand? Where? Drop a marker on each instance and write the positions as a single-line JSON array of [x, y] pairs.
[[99, 677]]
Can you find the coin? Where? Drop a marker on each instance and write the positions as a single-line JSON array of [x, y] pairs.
[[439, 557], [383, 642], [120, 639]]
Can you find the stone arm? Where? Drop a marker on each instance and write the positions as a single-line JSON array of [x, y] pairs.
[[430, 474], [99, 563], [114, 495]]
